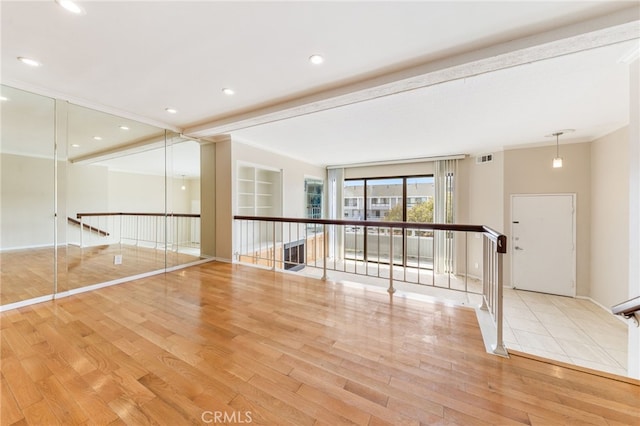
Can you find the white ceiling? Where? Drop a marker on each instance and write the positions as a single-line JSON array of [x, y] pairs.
[[134, 59]]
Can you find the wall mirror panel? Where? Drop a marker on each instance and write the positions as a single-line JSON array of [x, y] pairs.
[[115, 211], [126, 194], [183, 200], [27, 170]]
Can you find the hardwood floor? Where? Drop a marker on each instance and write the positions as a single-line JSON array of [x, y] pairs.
[[221, 343], [25, 274]]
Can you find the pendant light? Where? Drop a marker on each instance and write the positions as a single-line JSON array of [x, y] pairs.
[[183, 187], [557, 162]]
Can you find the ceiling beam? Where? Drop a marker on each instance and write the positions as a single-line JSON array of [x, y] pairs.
[[606, 30], [141, 145]]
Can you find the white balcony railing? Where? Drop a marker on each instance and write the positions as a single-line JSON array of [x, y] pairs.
[[172, 231]]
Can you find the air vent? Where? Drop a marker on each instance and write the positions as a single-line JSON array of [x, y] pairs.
[[486, 158]]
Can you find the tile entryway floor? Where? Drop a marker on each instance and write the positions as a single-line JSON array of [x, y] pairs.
[[566, 329]]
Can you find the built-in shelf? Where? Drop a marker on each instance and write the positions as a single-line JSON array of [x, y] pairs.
[[258, 193], [259, 190]]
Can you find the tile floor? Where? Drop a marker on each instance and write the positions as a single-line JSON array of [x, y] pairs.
[[566, 329]]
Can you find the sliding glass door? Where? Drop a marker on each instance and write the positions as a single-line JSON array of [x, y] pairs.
[[419, 206], [396, 199]]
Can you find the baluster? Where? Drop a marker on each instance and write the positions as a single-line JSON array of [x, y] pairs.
[[391, 290]]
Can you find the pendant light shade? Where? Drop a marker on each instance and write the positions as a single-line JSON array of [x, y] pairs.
[[557, 162]]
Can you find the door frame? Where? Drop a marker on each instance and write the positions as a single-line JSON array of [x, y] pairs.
[[574, 259]]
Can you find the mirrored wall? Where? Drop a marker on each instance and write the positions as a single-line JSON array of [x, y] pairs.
[[89, 199]]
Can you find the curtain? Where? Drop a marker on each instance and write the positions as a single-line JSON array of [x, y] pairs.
[[336, 207], [444, 212]]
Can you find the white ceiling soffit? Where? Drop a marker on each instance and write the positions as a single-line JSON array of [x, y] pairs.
[[606, 30], [180, 159], [518, 106], [396, 70]]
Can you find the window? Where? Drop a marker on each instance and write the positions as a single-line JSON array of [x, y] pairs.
[[314, 195], [400, 199], [313, 189]]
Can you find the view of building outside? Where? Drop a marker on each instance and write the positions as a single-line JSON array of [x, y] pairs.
[[409, 199], [385, 199], [313, 193]]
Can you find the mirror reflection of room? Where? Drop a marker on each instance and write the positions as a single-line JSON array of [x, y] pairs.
[[127, 197]]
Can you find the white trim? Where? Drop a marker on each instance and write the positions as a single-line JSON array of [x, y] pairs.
[[27, 302], [399, 161], [36, 246], [618, 317]]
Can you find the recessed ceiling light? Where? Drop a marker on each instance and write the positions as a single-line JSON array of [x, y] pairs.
[[3, 98], [228, 91], [98, 138], [75, 145], [71, 6], [171, 110], [29, 61], [316, 59], [124, 128]]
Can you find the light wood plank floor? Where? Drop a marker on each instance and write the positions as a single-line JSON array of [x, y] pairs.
[[229, 343], [25, 274]]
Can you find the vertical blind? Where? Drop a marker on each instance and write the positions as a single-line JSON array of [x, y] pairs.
[[444, 212]]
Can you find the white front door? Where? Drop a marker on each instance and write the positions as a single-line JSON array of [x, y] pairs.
[[543, 243]]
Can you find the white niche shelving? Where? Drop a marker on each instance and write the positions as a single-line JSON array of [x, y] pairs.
[[259, 191]]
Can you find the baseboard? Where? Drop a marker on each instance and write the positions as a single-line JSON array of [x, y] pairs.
[[23, 303], [608, 310], [37, 246]]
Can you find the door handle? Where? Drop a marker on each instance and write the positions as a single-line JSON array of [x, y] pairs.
[[518, 248]]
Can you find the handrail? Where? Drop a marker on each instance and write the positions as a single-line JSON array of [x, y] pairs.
[[495, 236], [628, 309], [81, 215], [88, 227], [150, 229]]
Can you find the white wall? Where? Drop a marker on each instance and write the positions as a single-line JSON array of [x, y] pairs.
[[634, 211], [480, 202], [129, 192], [529, 171], [610, 218], [27, 211], [293, 171], [87, 189], [224, 200]]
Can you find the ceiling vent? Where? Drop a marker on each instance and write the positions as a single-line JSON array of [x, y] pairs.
[[485, 158]]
